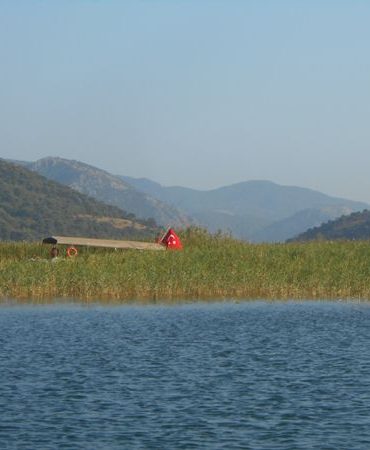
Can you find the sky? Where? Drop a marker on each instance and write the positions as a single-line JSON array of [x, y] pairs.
[[197, 93]]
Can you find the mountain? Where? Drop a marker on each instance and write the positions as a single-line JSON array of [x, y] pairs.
[[355, 226], [107, 188], [253, 210], [32, 207]]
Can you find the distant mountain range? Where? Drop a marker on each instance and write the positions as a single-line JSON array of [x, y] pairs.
[[32, 208], [253, 210]]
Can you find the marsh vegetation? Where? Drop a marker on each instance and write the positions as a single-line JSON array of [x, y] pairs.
[[209, 267]]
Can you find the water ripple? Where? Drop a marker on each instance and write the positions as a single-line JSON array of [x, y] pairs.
[[223, 376]]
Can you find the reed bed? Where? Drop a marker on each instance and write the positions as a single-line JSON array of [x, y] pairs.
[[209, 267]]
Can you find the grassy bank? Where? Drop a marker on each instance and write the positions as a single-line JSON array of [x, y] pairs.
[[209, 267]]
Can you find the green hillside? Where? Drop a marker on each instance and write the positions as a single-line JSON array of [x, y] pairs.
[[107, 188], [32, 207], [355, 226]]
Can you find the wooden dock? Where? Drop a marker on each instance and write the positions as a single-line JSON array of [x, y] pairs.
[[108, 243]]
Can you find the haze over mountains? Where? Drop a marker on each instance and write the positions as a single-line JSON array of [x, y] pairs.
[[252, 210], [107, 188]]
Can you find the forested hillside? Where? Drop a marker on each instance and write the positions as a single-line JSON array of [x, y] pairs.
[[355, 226], [32, 207], [107, 188]]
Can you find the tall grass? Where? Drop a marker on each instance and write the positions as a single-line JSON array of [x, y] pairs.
[[209, 267]]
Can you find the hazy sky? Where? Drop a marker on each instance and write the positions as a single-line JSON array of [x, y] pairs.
[[199, 93]]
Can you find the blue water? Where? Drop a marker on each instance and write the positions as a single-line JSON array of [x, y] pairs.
[[253, 375]]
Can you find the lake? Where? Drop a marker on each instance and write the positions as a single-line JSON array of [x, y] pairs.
[[249, 375]]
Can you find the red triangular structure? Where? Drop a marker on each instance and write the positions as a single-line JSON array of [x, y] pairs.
[[171, 240]]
